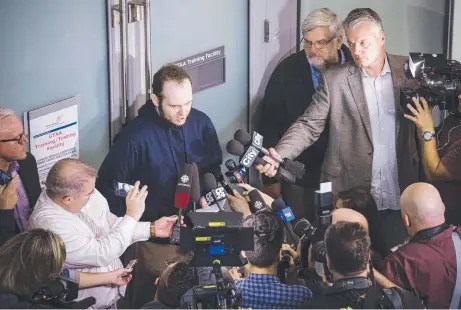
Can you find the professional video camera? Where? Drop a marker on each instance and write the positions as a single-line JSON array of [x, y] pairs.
[[60, 294], [311, 235], [215, 240], [440, 81]]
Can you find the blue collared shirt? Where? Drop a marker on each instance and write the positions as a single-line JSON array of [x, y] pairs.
[[264, 291], [316, 72]]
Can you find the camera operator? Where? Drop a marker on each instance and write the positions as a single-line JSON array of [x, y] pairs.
[[427, 265], [441, 154], [262, 288], [31, 259], [348, 260]]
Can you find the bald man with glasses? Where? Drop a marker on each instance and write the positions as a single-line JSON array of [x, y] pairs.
[[18, 197]]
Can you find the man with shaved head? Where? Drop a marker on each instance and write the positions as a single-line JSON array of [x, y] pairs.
[[427, 264], [94, 237]]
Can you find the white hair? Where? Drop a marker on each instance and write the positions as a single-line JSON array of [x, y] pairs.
[[363, 15], [323, 18], [5, 113]]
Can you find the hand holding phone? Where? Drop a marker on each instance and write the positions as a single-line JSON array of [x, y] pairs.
[[8, 195], [130, 266]]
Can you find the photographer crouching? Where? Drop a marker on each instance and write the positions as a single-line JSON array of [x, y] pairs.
[[262, 289], [441, 153], [351, 274]]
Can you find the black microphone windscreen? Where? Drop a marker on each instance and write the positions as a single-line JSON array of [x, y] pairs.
[[242, 136], [195, 187], [278, 205], [235, 148], [209, 182], [257, 203]]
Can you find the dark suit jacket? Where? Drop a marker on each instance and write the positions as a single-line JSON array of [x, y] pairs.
[[28, 173], [340, 102], [288, 94]]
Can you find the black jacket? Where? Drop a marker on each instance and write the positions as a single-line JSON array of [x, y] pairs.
[[12, 301], [28, 173], [374, 299], [288, 94]]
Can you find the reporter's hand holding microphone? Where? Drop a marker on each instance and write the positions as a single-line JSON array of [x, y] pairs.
[[135, 207], [270, 168]]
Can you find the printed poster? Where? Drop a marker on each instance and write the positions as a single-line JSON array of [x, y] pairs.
[[53, 134]]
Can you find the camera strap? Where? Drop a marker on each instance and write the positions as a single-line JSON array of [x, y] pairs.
[[457, 291]]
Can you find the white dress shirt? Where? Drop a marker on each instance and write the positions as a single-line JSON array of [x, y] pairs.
[[94, 239], [379, 92]]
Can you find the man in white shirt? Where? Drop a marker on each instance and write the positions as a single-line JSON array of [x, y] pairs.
[[94, 237]]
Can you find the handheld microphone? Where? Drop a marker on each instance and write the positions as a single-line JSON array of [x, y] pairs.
[[214, 194], [222, 180], [284, 211], [195, 186], [257, 203], [181, 198], [235, 174], [246, 139], [251, 157]]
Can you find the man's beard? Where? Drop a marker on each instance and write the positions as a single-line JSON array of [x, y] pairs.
[[321, 63], [163, 115]]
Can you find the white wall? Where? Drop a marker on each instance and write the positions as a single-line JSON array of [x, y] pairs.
[[409, 25], [456, 43]]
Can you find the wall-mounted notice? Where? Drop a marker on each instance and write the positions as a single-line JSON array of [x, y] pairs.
[[53, 134], [206, 69]]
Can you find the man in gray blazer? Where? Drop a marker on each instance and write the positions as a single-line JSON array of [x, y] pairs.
[[370, 142]]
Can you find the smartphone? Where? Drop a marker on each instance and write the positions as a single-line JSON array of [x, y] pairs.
[[5, 178], [131, 264]]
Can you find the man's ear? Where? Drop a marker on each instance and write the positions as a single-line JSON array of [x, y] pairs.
[[67, 200], [339, 42], [155, 100], [406, 220]]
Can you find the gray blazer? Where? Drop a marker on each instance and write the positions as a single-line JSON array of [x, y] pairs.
[[340, 100]]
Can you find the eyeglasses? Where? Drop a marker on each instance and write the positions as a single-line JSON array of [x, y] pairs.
[[318, 44], [19, 140]]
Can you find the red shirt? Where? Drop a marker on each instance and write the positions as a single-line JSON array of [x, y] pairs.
[[426, 267]]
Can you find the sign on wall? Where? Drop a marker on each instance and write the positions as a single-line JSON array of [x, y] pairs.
[[53, 134], [206, 69]]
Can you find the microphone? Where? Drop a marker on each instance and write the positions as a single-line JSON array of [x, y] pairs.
[[214, 194], [280, 208], [195, 186], [181, 199], [182, 194], [235, 174], [246, 139], [257, 203], [222, 180], [251, 157]]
